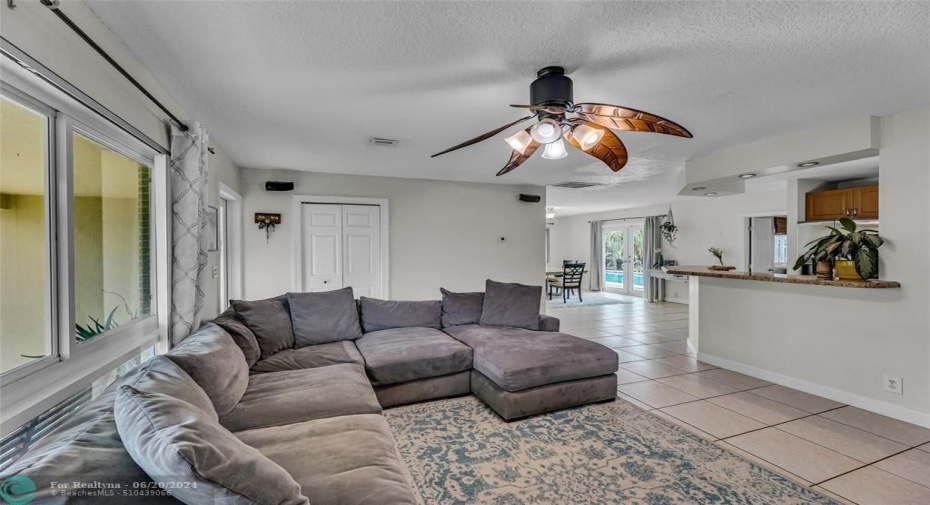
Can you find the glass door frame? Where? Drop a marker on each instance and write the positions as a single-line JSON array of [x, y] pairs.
[[628, 272]]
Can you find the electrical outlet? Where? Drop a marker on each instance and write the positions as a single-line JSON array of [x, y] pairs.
[[893, 384]]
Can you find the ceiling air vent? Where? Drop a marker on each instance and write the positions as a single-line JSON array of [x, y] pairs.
[[575, 185], [375, 141]]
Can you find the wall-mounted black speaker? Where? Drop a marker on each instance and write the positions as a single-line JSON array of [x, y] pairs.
[[530, 198], [279, 186]]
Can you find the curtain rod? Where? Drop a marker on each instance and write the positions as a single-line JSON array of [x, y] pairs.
[[54, 6], [625, 218]]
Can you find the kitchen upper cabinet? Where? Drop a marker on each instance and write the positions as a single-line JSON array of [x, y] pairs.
[[855, 203]]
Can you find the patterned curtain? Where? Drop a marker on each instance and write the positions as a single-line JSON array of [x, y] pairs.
[[597, 257], [188, 169], [653, 288]]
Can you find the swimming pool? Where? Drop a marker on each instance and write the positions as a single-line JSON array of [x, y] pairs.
[[616, 277]]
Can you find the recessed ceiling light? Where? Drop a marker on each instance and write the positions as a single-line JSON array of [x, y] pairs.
[[746, 176], [710, 194], [809, 164], [699, 188]]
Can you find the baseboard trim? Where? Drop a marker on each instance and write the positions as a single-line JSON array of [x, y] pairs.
[[862, 402]]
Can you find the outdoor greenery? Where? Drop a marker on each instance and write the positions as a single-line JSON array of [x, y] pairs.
[[614, 251], [90, 331], [859, 246]]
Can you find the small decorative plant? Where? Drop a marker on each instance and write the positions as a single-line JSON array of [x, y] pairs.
[[849, 244], [718, 253], [668, 229]]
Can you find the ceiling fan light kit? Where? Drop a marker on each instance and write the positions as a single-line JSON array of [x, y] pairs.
[[555, 150], [586, 126]]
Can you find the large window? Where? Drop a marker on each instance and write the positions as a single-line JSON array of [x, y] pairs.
[[79, 247], [25, 329]]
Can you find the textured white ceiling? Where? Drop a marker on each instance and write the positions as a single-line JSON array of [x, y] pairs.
[[303, 85]]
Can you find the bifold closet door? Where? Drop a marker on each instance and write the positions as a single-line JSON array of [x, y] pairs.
[[342, 247]]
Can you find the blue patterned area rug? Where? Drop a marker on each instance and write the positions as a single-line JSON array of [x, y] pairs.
[[459, 452]]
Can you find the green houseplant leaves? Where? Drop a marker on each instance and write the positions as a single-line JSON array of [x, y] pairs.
[[850, 243]]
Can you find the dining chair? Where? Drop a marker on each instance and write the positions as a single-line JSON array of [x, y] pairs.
[[570, 281]]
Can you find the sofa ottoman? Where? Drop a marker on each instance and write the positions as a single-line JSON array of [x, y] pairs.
[[520, 372], [414, 364]]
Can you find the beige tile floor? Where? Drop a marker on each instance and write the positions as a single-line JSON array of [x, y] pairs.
[[849, 454]]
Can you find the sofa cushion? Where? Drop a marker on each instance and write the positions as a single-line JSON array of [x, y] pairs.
[[241, 334], [321, 318], [85, 448], [270, 321], [517, 359], [509, 304], [200, 461], [216, 363], [461, 308], [338, 461], [405, 354], [313, 356], [387, 314], [280, 398], [164, 376]]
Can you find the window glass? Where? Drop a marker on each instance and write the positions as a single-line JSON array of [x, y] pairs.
[[781, 249], [112, 268], [25, 329]]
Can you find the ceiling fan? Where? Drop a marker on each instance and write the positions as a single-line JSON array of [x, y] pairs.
[[588, 130]]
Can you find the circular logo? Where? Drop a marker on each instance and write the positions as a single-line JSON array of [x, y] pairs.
[[17, 490]]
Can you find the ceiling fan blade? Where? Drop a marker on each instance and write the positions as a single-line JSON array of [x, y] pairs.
[[609, 149], [626, 119], [516, 159], [483, 137], [552, 109]]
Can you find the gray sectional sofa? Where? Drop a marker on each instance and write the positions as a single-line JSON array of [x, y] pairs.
[[280, 400]]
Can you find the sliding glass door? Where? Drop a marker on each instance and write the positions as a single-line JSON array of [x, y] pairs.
[[623, 258]]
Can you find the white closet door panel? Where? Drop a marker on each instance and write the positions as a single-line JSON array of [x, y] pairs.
[[362, 249], [322, 247]]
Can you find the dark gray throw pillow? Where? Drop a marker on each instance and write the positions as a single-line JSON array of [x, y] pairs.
[[323, 318], [387, 314], [241, 333], [461, 308], [509, 304], [212, 359], [198, 460], [270, 321]]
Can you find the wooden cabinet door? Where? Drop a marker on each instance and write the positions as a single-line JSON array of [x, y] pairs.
[[866, 204], [827, 205]]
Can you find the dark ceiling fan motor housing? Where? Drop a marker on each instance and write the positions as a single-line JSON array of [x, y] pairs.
[[551, 87]]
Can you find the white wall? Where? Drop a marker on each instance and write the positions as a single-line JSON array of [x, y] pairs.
[[839, 342], [702, 223], [34, 29], [442, 234]]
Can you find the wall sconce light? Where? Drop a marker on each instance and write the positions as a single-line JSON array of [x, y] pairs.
[[267, 222]]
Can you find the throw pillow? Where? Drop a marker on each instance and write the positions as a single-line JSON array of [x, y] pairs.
[[215, 362], [509, 304], [322, 318], [270, 321], [241, 334], [387, 314], [194, 457], [461, 308]]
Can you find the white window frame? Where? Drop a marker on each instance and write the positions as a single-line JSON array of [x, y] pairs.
[[28, 390], [234, 222]]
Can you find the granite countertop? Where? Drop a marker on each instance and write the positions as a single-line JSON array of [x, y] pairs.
[[703, 271]]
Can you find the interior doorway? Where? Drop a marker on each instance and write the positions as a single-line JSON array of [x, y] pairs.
[[229, 245], [623, 258], [766, 244]]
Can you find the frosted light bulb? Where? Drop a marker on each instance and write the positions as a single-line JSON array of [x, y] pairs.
[[546, 131], [555, 150]]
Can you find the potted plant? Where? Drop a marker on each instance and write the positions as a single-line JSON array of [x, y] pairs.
[[668, 229], [854, 252], [718, 253]]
